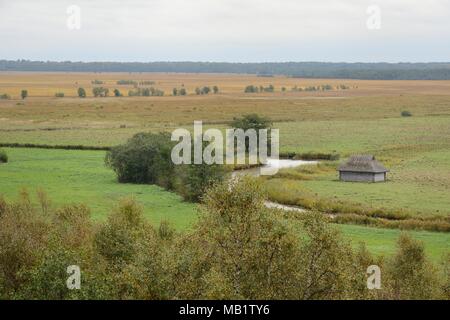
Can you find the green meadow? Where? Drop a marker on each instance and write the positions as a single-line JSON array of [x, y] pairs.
[[81, 177]]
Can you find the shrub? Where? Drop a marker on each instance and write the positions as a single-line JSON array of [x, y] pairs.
[[24, 94], [3, 156], [117, 93], [5, 96], [406, 114], [59, 95], [251, 89], [256, 122], [100, 92], [195, 179], [145, 158], [81, 93], [410, 274]]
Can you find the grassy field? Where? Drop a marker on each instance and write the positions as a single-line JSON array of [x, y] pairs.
[[382, 242], [81, 177], [364, 119]]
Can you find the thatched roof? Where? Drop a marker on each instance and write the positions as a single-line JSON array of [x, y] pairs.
[[363, 163]]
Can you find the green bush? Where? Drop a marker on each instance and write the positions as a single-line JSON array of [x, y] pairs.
[[100, 92], [406, 114], [59, 95], [5, 96], [81, 92], [145, 159], [195, 179], [24, 94], [3, 156]]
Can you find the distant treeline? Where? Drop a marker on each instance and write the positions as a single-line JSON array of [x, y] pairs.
[[376, 71]]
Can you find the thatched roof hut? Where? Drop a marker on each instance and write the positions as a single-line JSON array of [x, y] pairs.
[[362, 168]]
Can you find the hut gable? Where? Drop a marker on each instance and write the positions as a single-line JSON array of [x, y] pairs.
[[362, 163]]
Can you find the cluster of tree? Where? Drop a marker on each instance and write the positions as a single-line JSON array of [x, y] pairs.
[[239, 249], [206, 90], [256, 89], [179, 92], [376, 71], [127, 82], [146, 83], [145, 92], [146, 159], [100, 92], [5, 96]]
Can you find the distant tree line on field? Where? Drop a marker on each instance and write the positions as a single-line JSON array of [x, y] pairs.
[[135, 82], [376, 71], [271, 88]]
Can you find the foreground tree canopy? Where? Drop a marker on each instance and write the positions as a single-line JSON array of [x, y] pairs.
[[238, 250]]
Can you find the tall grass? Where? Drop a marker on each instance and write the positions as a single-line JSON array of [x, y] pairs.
[[288, 192]]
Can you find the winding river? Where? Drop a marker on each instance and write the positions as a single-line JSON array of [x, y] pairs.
[[274, 163]]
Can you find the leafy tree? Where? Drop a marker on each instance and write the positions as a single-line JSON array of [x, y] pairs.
[[406, 113], [194, 180], [183, 92], [216, 89], [81, 93], [175, 91], [100, 91], [409, 274], [251, 89], [117, 93], [24, 94], [3, 156], [145, 158], [253, 121]]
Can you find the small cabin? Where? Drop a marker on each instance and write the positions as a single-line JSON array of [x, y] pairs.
[[362, 168]]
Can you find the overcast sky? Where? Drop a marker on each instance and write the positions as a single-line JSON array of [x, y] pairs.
[[226, 30]]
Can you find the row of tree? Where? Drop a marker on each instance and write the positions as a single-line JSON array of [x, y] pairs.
[[271, 88], [374, 71]]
